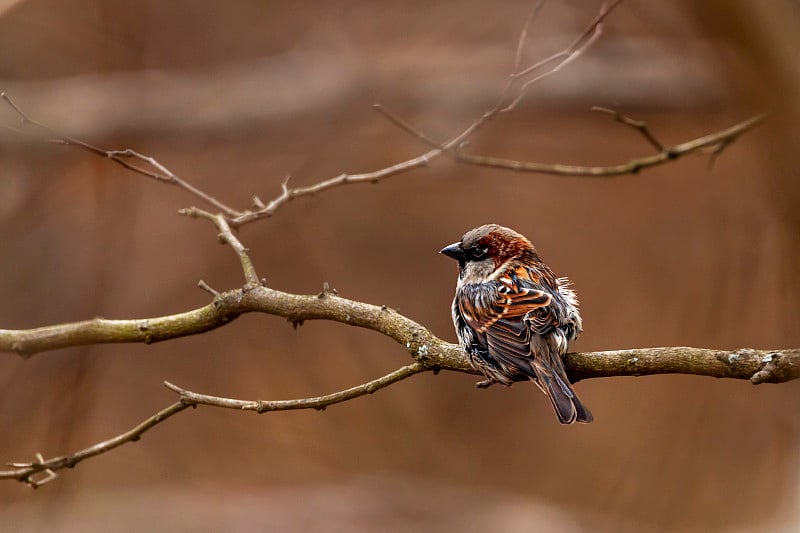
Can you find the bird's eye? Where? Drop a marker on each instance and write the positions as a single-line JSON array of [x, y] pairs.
[[478, 253]]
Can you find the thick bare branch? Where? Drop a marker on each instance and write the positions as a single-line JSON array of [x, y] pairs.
[[420, 342], [27, 342], [759, 366]]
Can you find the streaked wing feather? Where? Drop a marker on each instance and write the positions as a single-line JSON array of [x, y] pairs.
[[484, 304]]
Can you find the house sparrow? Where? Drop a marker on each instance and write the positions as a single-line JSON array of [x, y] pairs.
[[514, 317]]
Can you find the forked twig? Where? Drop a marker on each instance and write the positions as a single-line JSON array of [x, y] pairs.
[[28, 472], [638, 125], [717, 141], [523, 78], [122, 157]]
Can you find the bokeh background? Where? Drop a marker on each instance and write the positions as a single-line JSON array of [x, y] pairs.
[[233, 97]]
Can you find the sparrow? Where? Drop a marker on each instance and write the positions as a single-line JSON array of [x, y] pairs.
[[514, 317]]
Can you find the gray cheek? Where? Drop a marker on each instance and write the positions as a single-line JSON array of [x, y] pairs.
[[477, 271]]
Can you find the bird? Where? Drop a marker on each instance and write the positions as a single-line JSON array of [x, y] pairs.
[[513, 317]]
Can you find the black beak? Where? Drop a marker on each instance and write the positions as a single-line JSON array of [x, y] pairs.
[[454, 251]]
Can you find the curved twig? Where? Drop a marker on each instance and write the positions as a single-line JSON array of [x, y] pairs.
[[29, 472], [318, 403]]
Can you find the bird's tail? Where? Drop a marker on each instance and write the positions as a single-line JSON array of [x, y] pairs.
[[552, 379]]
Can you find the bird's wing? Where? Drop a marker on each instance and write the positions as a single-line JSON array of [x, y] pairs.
[[485, 304], [505, 312]]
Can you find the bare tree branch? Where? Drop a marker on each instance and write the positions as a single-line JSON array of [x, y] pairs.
[[638, 125], [121, 157], [717, 140], [561, 59], [523, 78], [226, 236], [420, 342], [27, 472], [759, 366], [429, 352], [319, 403]]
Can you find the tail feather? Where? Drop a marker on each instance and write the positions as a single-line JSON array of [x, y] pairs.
[[566, 403]]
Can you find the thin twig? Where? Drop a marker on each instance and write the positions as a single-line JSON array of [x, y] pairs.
[[523, 35], [638, 125], [670, 153], [342, 179], [208, 288], [226, 236], [319, 402], [25, 472], [121, 157], [238, 218], [576, 48]]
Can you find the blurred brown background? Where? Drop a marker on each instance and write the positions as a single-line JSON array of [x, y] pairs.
[[235, 96]]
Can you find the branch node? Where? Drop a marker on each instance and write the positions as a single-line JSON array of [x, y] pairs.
[[191, 212], [327, 290], [638, 125], [767, 372], [20, 351]]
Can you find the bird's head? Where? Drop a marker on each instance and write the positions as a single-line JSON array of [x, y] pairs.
[[484, 251]]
